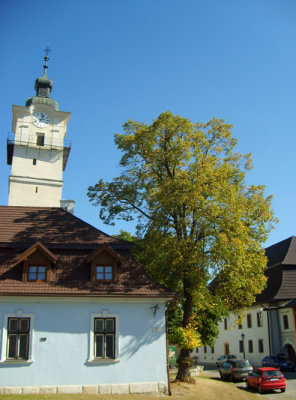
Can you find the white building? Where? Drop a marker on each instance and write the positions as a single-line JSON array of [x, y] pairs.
[[270, 324], [78, 314]]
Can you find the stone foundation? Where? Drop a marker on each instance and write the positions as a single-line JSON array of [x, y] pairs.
[[120, 388]]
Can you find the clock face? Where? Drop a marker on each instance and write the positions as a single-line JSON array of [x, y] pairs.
[[40, 119]]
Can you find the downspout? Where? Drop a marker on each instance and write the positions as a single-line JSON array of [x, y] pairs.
[[167, 309], [167, 352]]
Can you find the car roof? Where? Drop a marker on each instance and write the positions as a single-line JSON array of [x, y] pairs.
[[267, 369]]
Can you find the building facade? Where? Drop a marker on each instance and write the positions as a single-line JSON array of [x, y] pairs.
[[78, 314], [269, 326]]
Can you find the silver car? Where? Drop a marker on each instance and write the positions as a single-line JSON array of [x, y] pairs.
[[235, 370], [224, 358]]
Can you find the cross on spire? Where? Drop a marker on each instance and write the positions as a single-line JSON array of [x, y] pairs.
[[47, 50]]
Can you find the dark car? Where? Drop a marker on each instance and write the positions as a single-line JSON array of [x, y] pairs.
[[224, 358], [235, 370], [279, 362], [266, 378]]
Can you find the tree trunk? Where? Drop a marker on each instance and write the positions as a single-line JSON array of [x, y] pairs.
[[185, 360]]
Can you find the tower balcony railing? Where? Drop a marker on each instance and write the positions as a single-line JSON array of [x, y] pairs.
[[31, 141], [49, 143]]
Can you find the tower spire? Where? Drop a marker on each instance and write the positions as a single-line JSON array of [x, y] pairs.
[[46, 58], [43, 87]]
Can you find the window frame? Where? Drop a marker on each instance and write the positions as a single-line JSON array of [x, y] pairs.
[[285, 319], [249, 320], [40, 136], [92, 347], [241, 346], [5, 342], [259, 319], [250, 346], [260, 346], [225, 324], [104, 266], [37, 266]]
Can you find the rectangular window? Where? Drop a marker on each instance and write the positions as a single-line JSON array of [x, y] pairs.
[[240, 326], [259, 319], [104, 338], [212, 349], [205, 349], [18, 330], [197, 350], [250, 346], [249, 320], [34, 161], [241, 346], [285, 322], [260, 346], [225, 323], [104, 273], [40, 139], [37, 273]]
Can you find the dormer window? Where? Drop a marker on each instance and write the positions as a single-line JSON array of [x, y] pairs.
[[104, 273], [37, 262], [37, 273], [105, 264]]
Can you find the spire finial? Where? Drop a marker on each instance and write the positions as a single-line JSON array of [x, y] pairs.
[[46, 58]]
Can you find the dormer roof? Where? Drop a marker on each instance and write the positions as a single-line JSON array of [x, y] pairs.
[[106, 249], [37, 247]]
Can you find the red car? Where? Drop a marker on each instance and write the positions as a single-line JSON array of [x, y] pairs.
[[266, 378]]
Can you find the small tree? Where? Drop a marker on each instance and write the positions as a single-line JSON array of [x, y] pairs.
[[199, 220]]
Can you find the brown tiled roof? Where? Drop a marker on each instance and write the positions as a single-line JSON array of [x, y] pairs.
[[48, 225], [71, 241], [281, 272]]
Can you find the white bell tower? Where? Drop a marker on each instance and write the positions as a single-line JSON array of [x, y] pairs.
[[37, 152]]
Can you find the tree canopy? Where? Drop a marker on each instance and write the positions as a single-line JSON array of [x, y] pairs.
[[199, 220]]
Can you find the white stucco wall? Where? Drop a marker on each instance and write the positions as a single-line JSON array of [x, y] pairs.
[[60, 343], [37, 171]]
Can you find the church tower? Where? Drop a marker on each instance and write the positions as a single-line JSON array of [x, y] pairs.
[[37, 152]]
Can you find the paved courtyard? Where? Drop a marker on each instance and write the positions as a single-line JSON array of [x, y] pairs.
[[290, 393]]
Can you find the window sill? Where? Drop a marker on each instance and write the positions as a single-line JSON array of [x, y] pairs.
[[17, 362], [103, 360]]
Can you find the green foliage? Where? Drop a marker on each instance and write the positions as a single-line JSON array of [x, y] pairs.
[[124, 235], [197, 218]]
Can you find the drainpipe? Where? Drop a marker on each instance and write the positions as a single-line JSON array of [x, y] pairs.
[[167, 352]]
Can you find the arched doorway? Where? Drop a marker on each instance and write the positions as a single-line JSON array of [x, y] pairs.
[[290, 352]]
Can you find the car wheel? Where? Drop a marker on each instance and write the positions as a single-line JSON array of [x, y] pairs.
[[283, 390], [248, 385], [260, 389]]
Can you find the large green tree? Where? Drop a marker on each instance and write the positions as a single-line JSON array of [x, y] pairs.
[[198, 219]]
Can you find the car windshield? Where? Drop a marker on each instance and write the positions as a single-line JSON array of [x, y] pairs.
[[272, 373], [242, 364]]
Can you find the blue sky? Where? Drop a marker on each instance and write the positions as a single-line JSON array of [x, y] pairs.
[[114, 60]]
